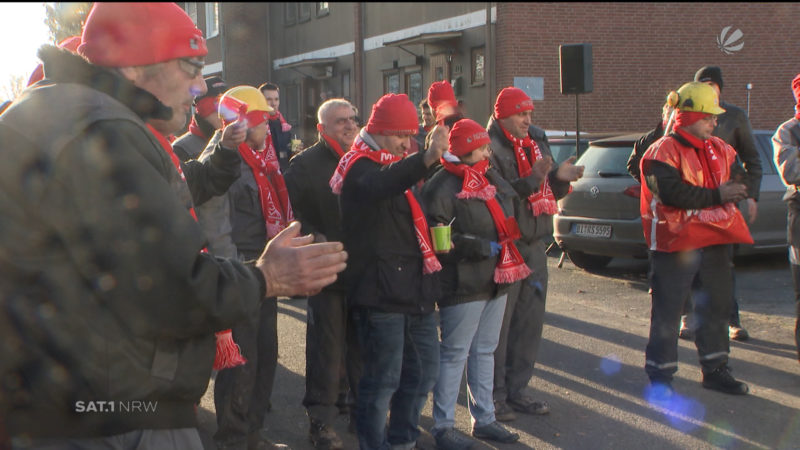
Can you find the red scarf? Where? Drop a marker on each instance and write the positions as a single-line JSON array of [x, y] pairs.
[[712, 176], [228, 353], [510, 266], [361, 149], [285, 126], [542, 201], [194, 128], [332, 143], [272, 191]]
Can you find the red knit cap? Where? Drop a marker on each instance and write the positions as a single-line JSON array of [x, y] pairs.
[[442, 100], [393, 114], [511, 101], [796, 88], [466, 136], [138, 34]]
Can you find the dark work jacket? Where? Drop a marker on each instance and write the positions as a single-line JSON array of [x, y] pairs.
[[384, 266], [104, 292], [641, 146], [282, 141], [505, 160], [211, 177], [315, 206], [468, 269], [733, 127]]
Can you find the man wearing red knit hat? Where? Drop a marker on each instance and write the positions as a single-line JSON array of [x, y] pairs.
[[786, 146], [523, 157], [690, 220], [392, 282], [108, 304]]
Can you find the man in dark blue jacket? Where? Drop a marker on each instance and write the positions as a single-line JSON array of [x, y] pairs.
[[393, 286]]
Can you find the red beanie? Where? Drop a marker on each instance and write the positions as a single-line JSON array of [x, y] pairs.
[[511, 101], [393, 114], [796, 88], [71, 43], [466, 136], [139, 34], [442, 100]]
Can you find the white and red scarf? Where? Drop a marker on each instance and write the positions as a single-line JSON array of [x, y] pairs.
[[285, 126], [543, 201], [510, 266], [272, 190], [361, 149], [228, 354], [195, 129]]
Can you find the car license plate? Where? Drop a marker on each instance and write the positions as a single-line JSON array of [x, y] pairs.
[[593, 230]]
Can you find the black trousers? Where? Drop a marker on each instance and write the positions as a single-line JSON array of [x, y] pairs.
[[521, 333], [671, 277], [333, 363], [241, 394]]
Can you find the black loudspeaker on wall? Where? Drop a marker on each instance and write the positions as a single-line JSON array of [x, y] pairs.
[[576, 68]]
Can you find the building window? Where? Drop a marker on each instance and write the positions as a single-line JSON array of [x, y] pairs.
[[478, 66], [191, 11], [323, 9], [289, 13], [414, 87], [305, 12], [212, 20], [346, 84], [391, 83]]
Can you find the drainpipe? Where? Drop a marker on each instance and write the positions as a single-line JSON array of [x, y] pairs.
[[488, 53], [222, 41], [358, 59], [269, 49]]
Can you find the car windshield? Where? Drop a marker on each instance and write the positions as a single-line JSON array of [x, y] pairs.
[[602, 162], [563, 150]]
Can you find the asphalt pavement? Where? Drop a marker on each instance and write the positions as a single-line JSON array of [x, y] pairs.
[[590, 370]]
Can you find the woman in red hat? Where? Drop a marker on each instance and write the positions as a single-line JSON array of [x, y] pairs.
[[476, 276]]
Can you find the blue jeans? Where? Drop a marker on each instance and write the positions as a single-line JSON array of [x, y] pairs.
[[400, 354], [470, 332]]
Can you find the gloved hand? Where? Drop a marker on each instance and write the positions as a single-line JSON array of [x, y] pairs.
[[495, 248]]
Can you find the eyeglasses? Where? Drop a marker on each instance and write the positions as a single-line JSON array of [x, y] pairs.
[[192, 67]]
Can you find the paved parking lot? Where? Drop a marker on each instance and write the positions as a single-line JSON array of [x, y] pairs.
[[591, 371]]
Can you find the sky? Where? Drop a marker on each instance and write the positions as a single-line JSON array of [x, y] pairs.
[[22, 32]]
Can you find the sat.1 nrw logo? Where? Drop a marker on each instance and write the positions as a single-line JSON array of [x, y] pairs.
[[730, 43]]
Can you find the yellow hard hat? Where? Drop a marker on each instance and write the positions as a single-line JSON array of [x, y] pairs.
[[697, 97], [231, 102]]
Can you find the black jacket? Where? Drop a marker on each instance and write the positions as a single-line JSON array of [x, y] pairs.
[[504, 159], [282, 141], [384, 266], [733, 127], [104, 292], [315, 206], [641, 146], [468, 269]]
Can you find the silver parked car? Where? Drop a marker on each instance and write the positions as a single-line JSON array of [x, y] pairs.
[[600, 218]]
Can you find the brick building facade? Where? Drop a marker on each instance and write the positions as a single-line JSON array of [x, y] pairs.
[[640, 51]]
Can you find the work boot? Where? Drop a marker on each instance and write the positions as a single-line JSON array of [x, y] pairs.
[[503, 412], [686, 331], [722, 380], [323, 437], [737, 333]]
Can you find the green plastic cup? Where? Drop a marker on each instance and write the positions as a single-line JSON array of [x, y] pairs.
[[441, 238]]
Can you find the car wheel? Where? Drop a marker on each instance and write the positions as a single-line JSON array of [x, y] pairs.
[[588, 262]]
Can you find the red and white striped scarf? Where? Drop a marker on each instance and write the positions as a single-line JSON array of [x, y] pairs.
[[272, 190], [510, 266], [361, 149], [543, 201]]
